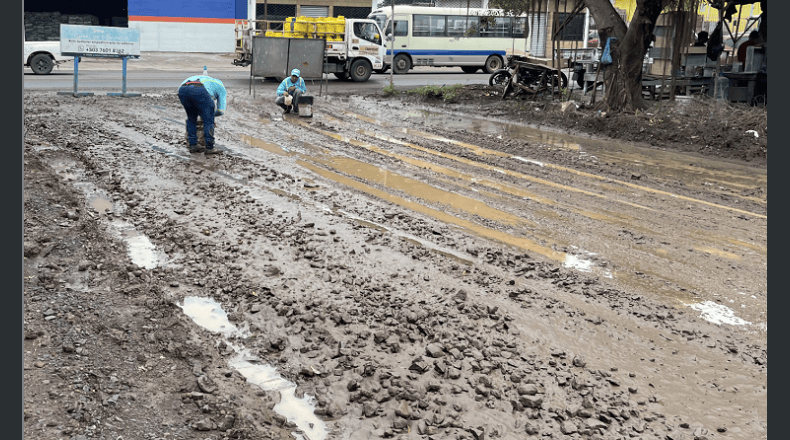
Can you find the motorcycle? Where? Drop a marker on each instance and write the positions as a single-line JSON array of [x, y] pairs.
[[522, 76]]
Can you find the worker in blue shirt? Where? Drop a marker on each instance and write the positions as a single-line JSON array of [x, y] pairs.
[[197, 94], [289, 92]]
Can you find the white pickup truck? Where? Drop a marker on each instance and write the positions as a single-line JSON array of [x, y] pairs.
[[42, 56]]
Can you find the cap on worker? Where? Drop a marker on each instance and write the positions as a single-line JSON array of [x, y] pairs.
[[295, 72]]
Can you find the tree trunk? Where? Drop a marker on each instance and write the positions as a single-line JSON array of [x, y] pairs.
[[623, 78]]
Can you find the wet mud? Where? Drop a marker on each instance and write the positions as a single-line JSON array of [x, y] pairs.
[[390, 268]]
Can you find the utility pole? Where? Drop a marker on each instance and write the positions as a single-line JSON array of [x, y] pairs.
[[392, 46]]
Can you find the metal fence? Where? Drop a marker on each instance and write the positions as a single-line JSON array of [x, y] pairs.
[[274, 12]]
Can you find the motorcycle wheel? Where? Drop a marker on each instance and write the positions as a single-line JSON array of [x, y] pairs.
[[561, 84], [499, 77]]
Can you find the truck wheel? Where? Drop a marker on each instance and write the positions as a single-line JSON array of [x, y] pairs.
[[41, 64], [360, 70], [470, 69], [341, 75], [493, 63], [402, 64]]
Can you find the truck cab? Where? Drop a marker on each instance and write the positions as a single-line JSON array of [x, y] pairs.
[[360, 52]]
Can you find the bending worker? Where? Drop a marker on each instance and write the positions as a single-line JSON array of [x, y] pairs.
[[197, 94], [289, 92]]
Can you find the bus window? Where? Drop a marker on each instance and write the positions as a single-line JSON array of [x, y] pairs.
[[367, 31], [495, 27], [401, 28], [461, 26], [520, 29], [429, 26]]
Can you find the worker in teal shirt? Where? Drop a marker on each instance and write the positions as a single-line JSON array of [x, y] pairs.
[[197, 94], [289, 92]]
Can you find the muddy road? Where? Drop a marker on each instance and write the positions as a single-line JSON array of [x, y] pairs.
[[390, 268]]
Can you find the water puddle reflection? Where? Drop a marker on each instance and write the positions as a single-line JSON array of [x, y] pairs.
[[209, 314], [500, 129], [101, 205], [140, 249], [718, 313]]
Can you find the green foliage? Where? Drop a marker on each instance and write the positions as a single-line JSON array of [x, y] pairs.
[[514, 7], [389, 90], [447, 93]]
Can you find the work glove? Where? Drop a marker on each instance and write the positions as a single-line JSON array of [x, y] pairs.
[[285, 94], [291, 89], [218, 113]]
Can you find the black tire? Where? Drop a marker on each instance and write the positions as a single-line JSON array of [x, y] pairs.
[[563, 83], [341, 75], [401, 64], [499, 78], [360, 70], [580, 78], [470, 69], [493, 63], [42, 64], [384, 70]]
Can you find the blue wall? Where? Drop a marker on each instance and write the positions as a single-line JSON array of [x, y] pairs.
[[228, 9], [241, 9]]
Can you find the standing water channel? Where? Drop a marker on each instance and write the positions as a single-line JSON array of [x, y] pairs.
[[209, 314]]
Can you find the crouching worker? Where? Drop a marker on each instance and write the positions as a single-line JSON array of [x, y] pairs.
[[197, 94], [289, 92]]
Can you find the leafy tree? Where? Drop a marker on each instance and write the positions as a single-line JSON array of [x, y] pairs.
[[623, 78]]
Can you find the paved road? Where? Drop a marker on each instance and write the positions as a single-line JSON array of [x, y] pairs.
[[106, 80]]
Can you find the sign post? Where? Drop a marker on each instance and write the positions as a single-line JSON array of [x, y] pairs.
[[100, 42], [76, 76]]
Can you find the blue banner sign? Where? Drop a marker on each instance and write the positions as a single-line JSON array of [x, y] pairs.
[[99, 41]]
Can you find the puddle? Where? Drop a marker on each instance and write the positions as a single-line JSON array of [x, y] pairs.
[[140, 249], [267, 146], [718, 313], [101, 205], [142, 252], [575, 262], [295, 409], [534, 162], [523, 243], [209, 314], [497, 128], [654, 162]]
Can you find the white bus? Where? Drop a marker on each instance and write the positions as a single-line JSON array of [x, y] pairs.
[[465, 37]]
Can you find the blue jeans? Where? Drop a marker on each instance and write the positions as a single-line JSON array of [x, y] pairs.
[[197, 102]]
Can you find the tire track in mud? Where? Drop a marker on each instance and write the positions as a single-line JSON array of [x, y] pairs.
[[671, 292], [411, 339], [665, 166], [629, 261]]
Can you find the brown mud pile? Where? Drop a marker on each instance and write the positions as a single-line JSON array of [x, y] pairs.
[[393, 339]]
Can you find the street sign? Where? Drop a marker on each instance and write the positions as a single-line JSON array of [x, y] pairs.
[[99, 41]]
